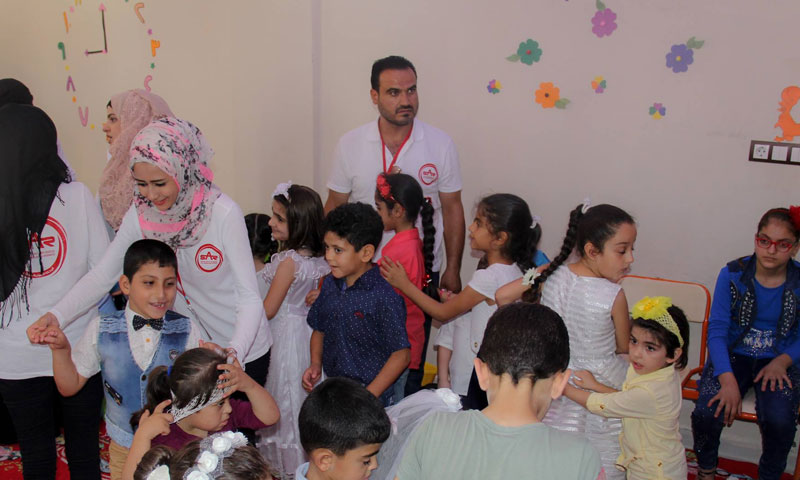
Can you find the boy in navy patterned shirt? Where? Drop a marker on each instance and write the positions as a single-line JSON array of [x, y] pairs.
[[358, 319]]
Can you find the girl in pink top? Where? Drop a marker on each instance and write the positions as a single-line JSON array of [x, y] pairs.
[[399, 200]]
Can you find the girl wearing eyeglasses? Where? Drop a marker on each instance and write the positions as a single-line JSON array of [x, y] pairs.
[[753, 342]]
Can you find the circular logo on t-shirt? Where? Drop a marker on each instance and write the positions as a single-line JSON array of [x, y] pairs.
[[208, 258], [52, 248], [428, 174]]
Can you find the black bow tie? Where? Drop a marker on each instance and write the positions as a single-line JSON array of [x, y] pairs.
[[154, 323]]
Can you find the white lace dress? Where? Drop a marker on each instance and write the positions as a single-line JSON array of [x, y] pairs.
[[280, 443], [585, 305]]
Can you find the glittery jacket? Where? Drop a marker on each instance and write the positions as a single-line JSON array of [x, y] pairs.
[[733, 312]]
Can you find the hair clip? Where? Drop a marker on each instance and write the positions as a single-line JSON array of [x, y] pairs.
[[587, 203], [427, 280], [384, 189], [536, 220], [794, 213], [530, 276], [283, 190], [159, 473]]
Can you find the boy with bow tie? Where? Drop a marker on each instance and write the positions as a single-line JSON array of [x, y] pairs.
[[127, 345]]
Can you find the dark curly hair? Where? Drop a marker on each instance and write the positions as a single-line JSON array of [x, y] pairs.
[[358, 223]]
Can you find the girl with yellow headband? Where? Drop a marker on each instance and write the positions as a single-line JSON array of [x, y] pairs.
[[649, 403]]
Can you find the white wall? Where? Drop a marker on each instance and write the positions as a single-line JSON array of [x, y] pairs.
[[243, 75], [273, 84]]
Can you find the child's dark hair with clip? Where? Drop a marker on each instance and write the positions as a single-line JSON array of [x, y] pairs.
[[238, 462], [399, 201], [191, 399], [259, 233], [504, 230], [588, 297], [649, 402], [297, 218], [754, 342]]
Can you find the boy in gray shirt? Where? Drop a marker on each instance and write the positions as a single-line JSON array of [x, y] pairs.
[[522, 366]]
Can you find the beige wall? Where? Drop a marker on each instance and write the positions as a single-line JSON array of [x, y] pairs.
[[273, 84]]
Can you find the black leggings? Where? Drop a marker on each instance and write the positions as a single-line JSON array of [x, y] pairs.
[[32, 403]]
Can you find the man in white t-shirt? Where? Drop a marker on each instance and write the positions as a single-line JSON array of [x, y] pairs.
[[399, 142]]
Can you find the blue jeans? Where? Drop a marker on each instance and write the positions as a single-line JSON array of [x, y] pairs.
[[777, 415], [400, 387]]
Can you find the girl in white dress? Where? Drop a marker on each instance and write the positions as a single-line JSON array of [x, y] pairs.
[[588, 297], [294, 271]]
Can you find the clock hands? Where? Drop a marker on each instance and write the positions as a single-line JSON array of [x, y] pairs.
[[105, 41]]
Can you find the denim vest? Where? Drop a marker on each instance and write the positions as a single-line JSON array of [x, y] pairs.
[[124, 383], [743, 303]]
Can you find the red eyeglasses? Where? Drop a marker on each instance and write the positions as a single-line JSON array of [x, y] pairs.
[[782, 246]]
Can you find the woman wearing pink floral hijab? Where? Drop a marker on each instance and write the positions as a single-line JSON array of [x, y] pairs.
[[133, 109]]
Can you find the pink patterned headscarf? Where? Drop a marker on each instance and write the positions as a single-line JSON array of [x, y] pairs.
[[135, 109], [179, 149]]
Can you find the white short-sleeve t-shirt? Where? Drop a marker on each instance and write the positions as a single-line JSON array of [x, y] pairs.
[[429, 155]]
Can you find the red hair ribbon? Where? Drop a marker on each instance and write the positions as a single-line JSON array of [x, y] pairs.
[[384, 189], [794, 212]]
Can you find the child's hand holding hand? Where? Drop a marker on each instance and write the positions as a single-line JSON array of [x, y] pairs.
[[37, 330], [235, 378], [394, 273], [585, 380], [55, 338], [311, 297], [311, 376], [446, 295], [157, 423]]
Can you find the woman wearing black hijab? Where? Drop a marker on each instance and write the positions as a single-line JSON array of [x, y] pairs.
[[52, 232]]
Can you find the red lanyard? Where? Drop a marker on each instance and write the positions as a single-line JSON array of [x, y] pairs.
[[383, 148]]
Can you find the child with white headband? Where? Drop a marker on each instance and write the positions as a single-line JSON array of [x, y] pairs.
[[191, 399], [224, 455], [649, 403]]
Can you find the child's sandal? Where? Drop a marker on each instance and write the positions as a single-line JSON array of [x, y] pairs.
[[706, 474]]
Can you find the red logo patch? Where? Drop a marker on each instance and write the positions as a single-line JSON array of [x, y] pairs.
[[208, 258], [53, 249], [428, 174]]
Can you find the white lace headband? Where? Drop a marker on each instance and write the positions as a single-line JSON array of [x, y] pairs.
[[196, 404]]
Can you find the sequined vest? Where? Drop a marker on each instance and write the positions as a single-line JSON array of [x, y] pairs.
[[124, 383], [743, 302]]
